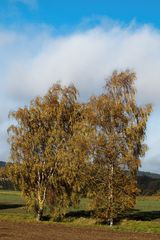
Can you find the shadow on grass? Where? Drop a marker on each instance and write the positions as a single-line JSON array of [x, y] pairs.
[[80, 213], [134, 214], [10, 205], [46, 218], [142, 216]]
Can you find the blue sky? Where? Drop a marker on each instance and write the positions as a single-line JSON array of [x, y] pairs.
[[82, 42], [70, 13]]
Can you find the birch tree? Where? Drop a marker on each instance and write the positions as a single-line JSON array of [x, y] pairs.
[[120, 130], [48, 147]]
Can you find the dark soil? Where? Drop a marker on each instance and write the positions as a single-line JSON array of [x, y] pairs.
[[40, 231]]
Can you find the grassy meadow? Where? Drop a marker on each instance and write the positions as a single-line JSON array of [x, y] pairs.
[[145, 217]]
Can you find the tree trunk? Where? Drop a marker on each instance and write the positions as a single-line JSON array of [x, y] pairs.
[[40, 214], [111, 222], [41, 196], [111, 195]]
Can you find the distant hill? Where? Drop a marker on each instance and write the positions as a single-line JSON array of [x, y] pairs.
[[148, 183], [5, 184], [2, 164], [149, 174]]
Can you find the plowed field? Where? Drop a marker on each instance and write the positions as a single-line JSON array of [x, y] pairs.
[[38, 231]]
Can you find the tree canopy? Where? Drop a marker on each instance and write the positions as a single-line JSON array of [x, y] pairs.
[[63, 149], [48, 147], [120, 126]]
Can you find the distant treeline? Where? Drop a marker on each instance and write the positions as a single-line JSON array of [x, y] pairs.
[[148, 185], [2, 164], [5, 183]]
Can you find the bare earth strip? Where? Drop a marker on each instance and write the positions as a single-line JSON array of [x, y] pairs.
[[36, 231]]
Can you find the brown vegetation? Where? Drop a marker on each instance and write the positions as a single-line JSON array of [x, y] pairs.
[[63, 149]]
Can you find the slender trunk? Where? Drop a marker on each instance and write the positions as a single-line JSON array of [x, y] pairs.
[[40, 214], [111, 195], [111, 222], [41, 195], [41, 202]]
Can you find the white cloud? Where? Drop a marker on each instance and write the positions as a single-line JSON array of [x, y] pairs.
[[86, 58], [33, 62]]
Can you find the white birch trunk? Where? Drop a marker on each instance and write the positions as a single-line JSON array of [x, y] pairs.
[[41, 195], [111, 195]]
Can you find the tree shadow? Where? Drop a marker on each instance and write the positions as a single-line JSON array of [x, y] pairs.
[[46, 218], [138, 215], [133, 214], [144, 216], [10, 206], [80, 213]]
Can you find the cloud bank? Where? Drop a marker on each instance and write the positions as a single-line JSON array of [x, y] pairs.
[[30, 62]]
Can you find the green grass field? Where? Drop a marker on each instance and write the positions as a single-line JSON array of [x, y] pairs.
[[12, 206], [145, 217]]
